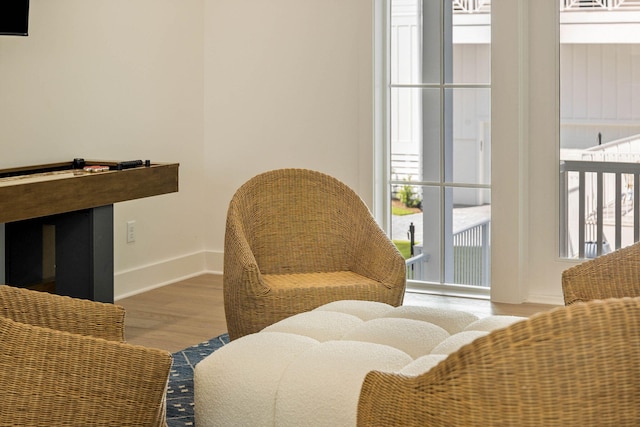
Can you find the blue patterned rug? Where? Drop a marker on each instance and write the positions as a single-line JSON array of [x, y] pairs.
[[180, 390]]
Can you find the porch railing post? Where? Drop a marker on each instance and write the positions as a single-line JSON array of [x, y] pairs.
[[486, 268]]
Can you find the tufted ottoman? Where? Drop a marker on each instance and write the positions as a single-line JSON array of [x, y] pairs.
[[307, 370]]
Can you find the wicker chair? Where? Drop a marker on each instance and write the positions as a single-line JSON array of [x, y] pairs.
[[614, 275], [296, 239], [572, 366], [63, 362]]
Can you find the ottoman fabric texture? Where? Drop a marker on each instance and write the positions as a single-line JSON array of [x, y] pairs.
[[238, 386], [308, 369], [322, 387]]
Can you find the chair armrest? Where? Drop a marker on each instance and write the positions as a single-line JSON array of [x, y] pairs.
[[375, 256], [50, 377], [613, 275], [566, 366], [241, 271], [84, 317], [388, 393]]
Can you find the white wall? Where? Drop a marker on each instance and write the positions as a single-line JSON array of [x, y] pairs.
[[288, 83], [115, 80]]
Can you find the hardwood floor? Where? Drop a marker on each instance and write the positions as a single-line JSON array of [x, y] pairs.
[[191, 311], [176, 316]]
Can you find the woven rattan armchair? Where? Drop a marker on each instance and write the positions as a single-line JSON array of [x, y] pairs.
[[63, 362], [297, 239], [614, 275], [572, 366]]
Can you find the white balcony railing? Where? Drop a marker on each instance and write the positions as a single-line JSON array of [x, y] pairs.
[[599, 5], [416, 266], [599, 198], [471, 6], [484, 6], [471, 254], [598, 207]]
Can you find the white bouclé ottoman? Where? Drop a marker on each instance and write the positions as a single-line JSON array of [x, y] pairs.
[[307, 370]]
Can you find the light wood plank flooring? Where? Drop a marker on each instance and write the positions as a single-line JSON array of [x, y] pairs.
[[177, 315], [191, 311]]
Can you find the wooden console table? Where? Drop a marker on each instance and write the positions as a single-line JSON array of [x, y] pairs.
[[58, 222]]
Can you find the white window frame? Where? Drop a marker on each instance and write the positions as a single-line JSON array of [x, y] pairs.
[[525, 150]]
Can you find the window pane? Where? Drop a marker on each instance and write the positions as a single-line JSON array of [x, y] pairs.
[[415, 134], [440, 112], [471, 135], [406, 41], [416, 218], [469, 240], [459, 241]]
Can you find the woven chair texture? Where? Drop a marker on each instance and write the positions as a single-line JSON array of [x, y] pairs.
[[62, 313], [55, 373], [572, 366], [297, 239], [614, 275]]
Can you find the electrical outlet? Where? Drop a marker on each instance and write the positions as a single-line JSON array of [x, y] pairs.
[[131, 231]]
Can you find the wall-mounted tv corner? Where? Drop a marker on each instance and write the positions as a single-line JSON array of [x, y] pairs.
[[14, 17]]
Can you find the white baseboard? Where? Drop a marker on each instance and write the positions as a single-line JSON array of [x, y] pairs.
[[545, 299], [134, 281], [214, 262]]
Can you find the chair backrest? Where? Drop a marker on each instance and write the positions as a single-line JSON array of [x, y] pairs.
[[62, 313], [297, 220], [53, 378], [614, 275], [572, 366]]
